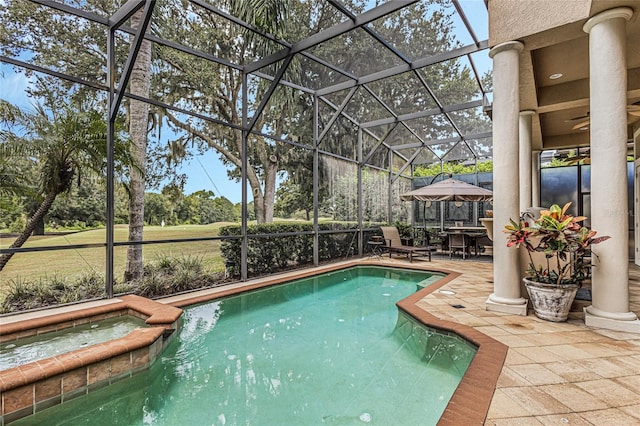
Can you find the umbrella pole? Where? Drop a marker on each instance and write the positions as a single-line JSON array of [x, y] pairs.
[[424, 222]]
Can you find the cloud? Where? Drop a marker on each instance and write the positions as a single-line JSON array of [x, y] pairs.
[[14, 86]]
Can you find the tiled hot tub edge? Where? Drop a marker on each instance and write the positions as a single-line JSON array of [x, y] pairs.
[[33, 387]]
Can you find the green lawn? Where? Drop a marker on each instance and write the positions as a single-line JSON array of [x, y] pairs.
[[30, 266]]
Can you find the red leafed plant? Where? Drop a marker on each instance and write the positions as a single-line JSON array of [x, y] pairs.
[[563, 240]]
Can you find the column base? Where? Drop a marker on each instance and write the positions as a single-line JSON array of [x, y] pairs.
[[509, 306], [629, 326]]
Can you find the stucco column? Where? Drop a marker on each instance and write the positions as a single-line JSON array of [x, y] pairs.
[[506, 99], [525, 160], [608, 137], [535, 179]]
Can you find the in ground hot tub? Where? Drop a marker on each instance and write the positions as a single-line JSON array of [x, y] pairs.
[[40, 346], [67, 373]]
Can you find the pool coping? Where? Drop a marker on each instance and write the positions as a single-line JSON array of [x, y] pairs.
[[472, 397]]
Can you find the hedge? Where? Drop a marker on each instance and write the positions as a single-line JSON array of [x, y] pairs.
[[270, 254]]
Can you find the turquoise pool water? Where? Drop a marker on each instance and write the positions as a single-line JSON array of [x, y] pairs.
[[324, 350], [34, 348]]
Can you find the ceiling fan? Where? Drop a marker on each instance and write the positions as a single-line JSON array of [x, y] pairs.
[[633, 111]]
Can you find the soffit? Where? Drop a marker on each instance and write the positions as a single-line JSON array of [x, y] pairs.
[[561, 104]]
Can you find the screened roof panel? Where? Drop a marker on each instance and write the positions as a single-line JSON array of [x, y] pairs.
[[328, 110], [356, 52], [482, 65], [471, 120], [276, 111], [314, 16], [441, 149], [331, 50], [103, 8], [180, 140], [476, 13], [365, 107], [311, 74], [401, 136], [459, 151], [463, 37], [58, 31], [425, 156], [203, 30], [409, 153], [410, 30], [403, 93], [356, 8], [336, 98], [453, 81], [381, 130], [432, 128], [257, 86], [483, 148], [195, 84]]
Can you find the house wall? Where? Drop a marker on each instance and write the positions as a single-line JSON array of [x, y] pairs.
[[513, 20]]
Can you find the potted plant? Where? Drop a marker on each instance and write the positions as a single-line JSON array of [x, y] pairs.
[[553, 282]]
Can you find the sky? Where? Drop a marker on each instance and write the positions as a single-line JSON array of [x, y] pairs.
[[207, 171]]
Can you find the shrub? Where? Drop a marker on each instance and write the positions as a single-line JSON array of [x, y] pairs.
[[169, 275], [18, 225], [24, 295], [163, 277], [270, 254]]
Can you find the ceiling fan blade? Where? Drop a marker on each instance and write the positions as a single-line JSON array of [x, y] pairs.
[[580, 125], [582, 117]]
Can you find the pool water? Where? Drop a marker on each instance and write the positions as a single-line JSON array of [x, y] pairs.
[[330, 349], [35, 348]]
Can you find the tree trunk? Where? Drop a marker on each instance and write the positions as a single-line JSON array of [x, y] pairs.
[[258, 205], [271, 172], [138, 122], [31, 226], [39, 229]]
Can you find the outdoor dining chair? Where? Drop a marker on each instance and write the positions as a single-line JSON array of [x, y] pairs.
[[459, 242]]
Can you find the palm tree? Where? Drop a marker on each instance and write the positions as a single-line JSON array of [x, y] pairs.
[[140, 84], [58, 144]]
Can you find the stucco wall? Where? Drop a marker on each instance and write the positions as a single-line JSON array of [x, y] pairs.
[[516, 19]]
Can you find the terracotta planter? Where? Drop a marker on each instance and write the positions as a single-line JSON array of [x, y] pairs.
[[551, 302]]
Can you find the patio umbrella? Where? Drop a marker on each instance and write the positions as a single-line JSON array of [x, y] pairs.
[[448, 190]]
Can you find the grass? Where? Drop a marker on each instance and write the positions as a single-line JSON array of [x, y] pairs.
[[26, 270], [78, 262]]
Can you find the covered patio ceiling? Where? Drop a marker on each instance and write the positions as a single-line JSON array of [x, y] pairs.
[[442, 126], [554, 70]]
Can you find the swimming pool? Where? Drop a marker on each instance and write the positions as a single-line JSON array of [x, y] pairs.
[[327, 349]]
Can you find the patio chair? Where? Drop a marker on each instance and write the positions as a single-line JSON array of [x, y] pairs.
[[459, 242], [394, 244]]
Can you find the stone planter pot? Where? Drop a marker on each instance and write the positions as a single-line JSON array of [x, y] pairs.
[[487, 222], [551, 302]]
